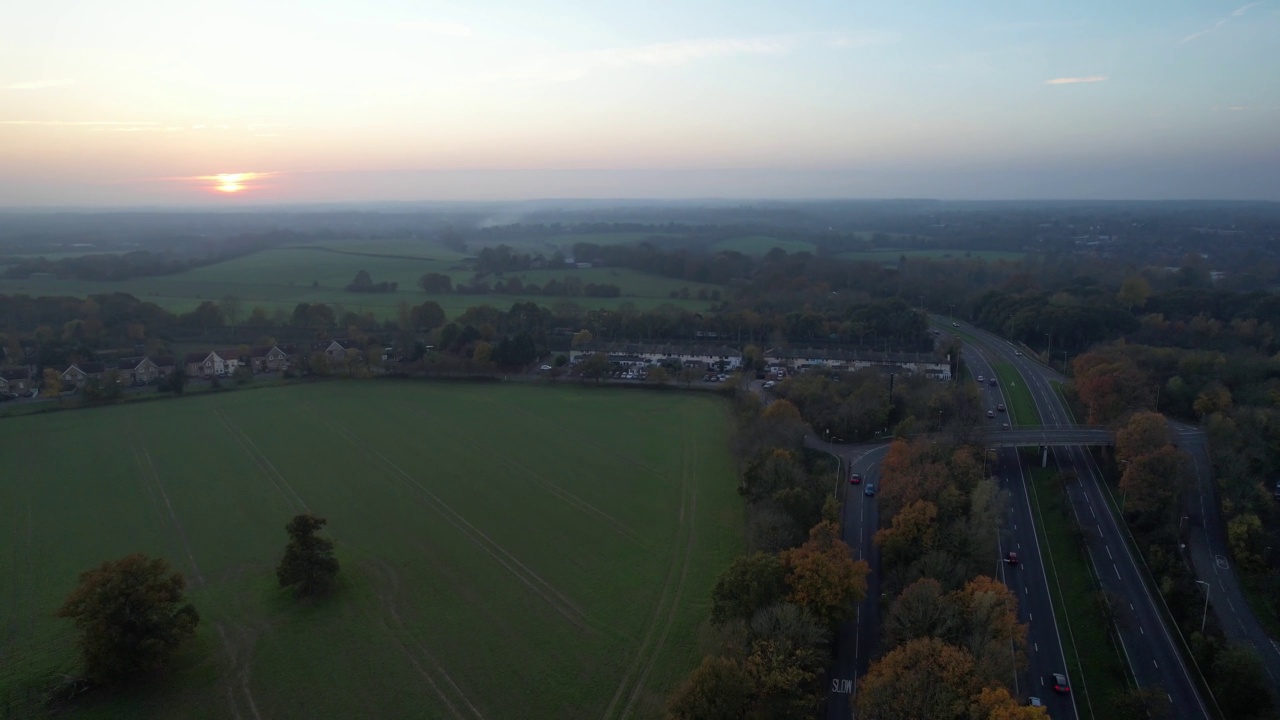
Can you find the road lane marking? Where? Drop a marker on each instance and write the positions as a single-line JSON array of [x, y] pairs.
[[1153, 662], [1141, 631], [1108, 549], [1113, 567], [1037, 646], [1095, 517], [1029, 617]]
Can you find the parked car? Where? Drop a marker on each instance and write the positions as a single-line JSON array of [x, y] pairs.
[[854, 478], [769, 384], [545, 367]]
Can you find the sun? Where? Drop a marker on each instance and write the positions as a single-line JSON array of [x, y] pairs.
[[230, 182], [233, 183]]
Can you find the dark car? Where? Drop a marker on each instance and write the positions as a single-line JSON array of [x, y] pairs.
[[1012, 559], [992, 382], [1000, 407], [1060, 683], [854, 478], [991, 413], [870, 491]]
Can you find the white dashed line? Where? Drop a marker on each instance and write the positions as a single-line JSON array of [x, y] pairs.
[[1140, 630], [1029, 618], [1113, 567], [1153, 662], [1108, 549]]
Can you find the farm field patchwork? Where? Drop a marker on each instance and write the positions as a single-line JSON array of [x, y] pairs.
[[762, 244], [507, 551], [280, 278]]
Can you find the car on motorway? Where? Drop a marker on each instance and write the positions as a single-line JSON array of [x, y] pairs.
[[1034, 701], [955, 324], [1018, 353], [870, 491], [1004, 426], [991, 413], [1000, 407], [1060, 683], [855, 478], [981, 378], [1012, 558], [992, 383]]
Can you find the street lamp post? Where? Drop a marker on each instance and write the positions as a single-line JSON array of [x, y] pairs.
[[1049, 352], [1205, 615]]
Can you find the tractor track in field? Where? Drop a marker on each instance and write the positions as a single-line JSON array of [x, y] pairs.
[[379, 612], [560, 492], [672, 589], [239, 671], [273, 475], [535, 582]]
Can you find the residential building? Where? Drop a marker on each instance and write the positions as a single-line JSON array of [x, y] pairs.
[[208, 364], [719, 357], [268, 359], [137, 370], [802, 359], [15, 380], [77, 374]]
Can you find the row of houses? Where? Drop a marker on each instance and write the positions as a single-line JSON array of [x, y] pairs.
[[143, 370], [728, 359]]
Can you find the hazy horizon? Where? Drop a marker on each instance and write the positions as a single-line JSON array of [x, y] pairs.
[[148, 104]]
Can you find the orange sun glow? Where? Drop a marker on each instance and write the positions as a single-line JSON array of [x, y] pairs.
[[231, 183]]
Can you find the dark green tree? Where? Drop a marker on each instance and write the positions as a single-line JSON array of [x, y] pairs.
[[751, 583], [308, 562], [131, 617]]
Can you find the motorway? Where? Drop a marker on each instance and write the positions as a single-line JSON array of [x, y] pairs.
[[1027, 580], [1148, 646]]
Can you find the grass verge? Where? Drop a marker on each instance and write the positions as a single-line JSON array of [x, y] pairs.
[[1022, 410], [1072, 587]]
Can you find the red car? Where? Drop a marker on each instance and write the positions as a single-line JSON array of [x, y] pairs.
[[1012, 559], [854, 478], [1060, 683]]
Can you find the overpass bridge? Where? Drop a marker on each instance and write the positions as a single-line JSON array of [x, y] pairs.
[[1023, 435]]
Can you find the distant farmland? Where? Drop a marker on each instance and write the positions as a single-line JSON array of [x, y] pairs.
[[890, 255], [279, 279], [507, 551]]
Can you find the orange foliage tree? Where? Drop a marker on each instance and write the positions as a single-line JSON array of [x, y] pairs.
[[823, 576]]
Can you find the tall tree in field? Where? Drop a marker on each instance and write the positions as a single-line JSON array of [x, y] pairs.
[[925, 678], [308, 561], [131, 617], [823, 576]]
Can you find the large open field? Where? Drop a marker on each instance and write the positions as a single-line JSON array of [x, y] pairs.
[[283, 277], [507, 551], [891, 255]]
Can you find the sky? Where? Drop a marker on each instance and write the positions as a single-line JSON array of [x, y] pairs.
[[242, 102]]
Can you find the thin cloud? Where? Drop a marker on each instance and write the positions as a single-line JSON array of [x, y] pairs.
[[573, 66], [1223, 21], [38, 84], [447, 29], [1074, 80], [76, 123]]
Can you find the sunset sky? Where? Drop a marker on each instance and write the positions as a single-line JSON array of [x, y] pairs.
[[236, 103]]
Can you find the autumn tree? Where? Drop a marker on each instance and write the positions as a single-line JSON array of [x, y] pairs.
[[914, 531], [1213, 399], [595, 366], [581, 338], [719, 689], [51, 384], [1151, 485], [922, 609], [1134, 292], [995, 703], [1145, 433], [823, 576], [1246, 537], [131, 617], [923, 678], [1110, 386], [749, 584], [308, 563], [992, 633]]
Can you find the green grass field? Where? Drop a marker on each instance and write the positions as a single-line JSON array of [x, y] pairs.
[[891, 255], [507, 551], [1091, 656], [762, 244], [1022, 409], [280, 278]]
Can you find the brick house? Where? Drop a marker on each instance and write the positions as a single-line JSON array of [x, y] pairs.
[[268, 359], [206, 365], [15, 380], [137, 370]]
